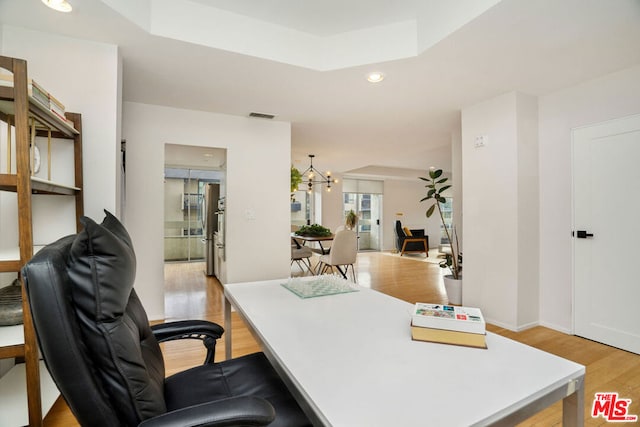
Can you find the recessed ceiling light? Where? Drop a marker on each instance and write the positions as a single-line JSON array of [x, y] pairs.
[[375, 77], [59, 5]]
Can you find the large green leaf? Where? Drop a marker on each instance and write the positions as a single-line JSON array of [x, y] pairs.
[[442, 199], [431, 192], [435, 173], [430, 211], [444, 188], [440, 181]]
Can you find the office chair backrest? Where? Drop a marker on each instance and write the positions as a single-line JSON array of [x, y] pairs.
[[344, 249], [92, 329]]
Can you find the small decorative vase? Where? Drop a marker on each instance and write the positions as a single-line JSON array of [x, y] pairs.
[[454, 289]]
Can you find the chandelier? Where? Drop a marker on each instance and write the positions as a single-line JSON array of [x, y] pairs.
[[314, 176]]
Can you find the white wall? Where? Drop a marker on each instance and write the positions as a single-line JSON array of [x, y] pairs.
[[400, 195], [500, 250], [404, 196], [489, 252], [257, 191], [456, 184], [612, 96], [84, 76], [528, 212], [331, 203]]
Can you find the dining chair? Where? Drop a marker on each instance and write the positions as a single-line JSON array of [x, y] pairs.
[[325, 247], [301, 255], [344, 251]]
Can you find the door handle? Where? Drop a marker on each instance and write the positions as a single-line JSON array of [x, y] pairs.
[[582, 234]]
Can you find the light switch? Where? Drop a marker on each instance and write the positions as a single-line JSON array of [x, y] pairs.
[[480, 141]]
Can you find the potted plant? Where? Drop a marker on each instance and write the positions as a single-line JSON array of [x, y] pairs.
[[296, 180], [313, 230], [436, 185], [351, 220]]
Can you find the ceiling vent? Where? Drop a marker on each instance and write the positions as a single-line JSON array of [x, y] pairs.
[[262, 115]]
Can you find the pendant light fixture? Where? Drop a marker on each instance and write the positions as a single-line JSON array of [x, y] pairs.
[[314, 176]]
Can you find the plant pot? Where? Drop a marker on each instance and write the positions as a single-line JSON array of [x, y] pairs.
[[454, 289]]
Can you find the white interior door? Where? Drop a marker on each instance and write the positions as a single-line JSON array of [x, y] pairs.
[[606, 199]]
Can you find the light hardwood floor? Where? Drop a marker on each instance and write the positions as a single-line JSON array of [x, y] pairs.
[[190, 294]]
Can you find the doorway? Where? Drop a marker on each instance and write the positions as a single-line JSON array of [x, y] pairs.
[[188, 170], [185, 213], [605, 232], [364, 197]]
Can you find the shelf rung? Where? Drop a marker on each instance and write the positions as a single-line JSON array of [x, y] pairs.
[[10, 266], [8, 182], [11, 351]]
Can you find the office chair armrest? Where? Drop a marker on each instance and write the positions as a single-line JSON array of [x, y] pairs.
[[234, 411], [207, 332]]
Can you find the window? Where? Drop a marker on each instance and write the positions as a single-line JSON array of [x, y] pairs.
[[447, 214]]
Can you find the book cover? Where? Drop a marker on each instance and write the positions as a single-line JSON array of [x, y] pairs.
[[59, 115], [448, 317], [448, 337], [56, 104]]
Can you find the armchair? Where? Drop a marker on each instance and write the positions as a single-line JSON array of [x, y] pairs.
[[105, 358], [416, 242]]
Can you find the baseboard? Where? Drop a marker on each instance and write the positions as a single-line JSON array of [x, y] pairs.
[[511, 327], [557, 328], [499, 324], [527, 326]]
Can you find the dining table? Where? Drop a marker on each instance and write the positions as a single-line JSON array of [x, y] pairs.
[[300, 239]]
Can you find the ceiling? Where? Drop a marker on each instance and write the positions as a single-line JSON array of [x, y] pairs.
[[324, 18], [439, 56]]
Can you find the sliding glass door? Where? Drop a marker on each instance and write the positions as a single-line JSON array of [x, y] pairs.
[[365, 199]]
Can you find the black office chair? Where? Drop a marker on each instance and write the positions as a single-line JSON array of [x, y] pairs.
[[105, 359]]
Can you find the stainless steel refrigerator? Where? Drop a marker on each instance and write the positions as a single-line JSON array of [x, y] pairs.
[[210, 224]]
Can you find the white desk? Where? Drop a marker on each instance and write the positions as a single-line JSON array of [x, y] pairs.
[[350, 361]]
